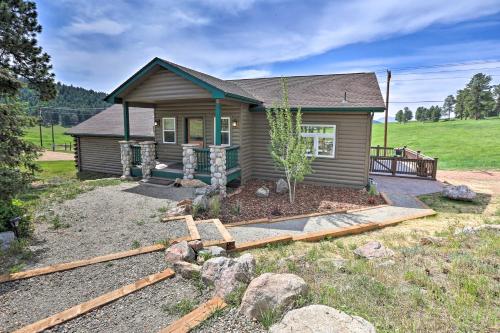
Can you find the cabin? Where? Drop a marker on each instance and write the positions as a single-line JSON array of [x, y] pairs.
[[170, 121]]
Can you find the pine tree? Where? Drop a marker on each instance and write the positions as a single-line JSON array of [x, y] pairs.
[[407, 115], [480, 99], [496, 94], [448, 106], [460, 107], [400, 116], [421, 114]]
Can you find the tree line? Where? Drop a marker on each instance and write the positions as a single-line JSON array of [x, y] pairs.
[[477, 100]]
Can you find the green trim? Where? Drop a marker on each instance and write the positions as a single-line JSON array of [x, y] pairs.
[[126, 123], [327, 109], [166, 174], [216, 92], [204, 178], [136, 172], [233, 175], [243, 99], [218, 123]]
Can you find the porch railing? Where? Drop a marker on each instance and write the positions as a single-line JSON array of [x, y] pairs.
[[202, 160], [232, 157], [136, 155]]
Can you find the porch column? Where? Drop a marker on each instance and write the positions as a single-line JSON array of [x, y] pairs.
[[218, 123], [126, 158], [148, 158], [188, 160], [218, 168], [126, 125]]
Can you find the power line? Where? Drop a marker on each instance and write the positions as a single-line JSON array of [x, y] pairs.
[[451, 71], [437, 78], [458, 64], [409, 102]]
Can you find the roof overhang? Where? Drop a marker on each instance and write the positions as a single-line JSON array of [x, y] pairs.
[[326, 109], [216, 93]]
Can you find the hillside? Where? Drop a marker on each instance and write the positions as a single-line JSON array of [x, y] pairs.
[[459, 144]]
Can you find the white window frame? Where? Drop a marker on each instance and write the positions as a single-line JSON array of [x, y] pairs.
[[316, 136], [228, 131], [163, 130]]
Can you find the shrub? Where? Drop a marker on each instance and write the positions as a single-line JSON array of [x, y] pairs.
[[214, 206], [14, 208]]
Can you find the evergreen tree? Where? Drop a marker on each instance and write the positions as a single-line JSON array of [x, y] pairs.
[[22, 62], [448, 106], [460, 107], [400, 116], [407, 115], [480, 99], [434, 113], [496, 94], [421, 114]]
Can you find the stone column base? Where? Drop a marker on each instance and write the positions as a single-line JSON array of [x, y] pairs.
[[126, 158], [188, 160], [218, 168], [148, 158]]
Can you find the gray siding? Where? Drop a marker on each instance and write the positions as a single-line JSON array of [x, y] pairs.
[[101, 154], [165, 85], [350, 165], [181, 110]]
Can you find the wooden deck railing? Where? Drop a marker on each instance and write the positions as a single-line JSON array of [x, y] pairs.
[[232, 157], [402, 162], [202, 160]]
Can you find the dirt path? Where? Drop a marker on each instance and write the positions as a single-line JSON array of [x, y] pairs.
[[483, 181], [56, 156]]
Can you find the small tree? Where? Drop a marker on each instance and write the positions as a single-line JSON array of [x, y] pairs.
[[288, 147], [400, 116], [449, 106], [407, 115]]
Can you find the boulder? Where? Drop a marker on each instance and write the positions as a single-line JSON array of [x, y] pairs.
[[187, 270], [196, 245], [321, 319], [192, 183], [262, 192], [201, 202], [281, 186], [6, 238], [460, 192], [373, 250], [271, 291], [227, 274], [180, 252], [216, 251]]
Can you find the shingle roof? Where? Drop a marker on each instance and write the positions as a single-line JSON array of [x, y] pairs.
[[110, 123], [318, 91]]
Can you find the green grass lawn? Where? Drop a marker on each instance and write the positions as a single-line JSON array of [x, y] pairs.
[[33, 135], [57, 170], [459, 144]]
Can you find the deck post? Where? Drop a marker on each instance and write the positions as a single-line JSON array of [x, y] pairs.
[[126, 124], [188, 160], [218, 174], [218, 123], [148, 158], [126, 158]]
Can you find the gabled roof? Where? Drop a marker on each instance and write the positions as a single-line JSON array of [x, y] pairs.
[[110, 123], [331, 92]]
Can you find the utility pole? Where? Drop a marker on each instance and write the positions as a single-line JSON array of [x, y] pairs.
[[40, 125], [387, 107]]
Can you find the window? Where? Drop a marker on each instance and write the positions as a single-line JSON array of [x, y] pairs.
[[320, 140], [169, 134], [225, 131]]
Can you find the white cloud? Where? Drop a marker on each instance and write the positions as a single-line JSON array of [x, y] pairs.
[[101, 26], [249, 74]]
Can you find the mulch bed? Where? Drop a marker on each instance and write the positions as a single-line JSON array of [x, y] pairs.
[[309, 199]]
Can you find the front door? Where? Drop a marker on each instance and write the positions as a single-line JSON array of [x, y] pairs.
[[195, 131]]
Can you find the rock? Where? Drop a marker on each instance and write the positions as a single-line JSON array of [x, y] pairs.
[[472, 230], [176, 211], [431, 240], [262, 192], [6, 238], [201, 202], [460, 192], [192, 183], [185, 202], [271, 291], [227, 274], [216, 251], [372, 250], [281, 186], [187, 270], [180, 252], [321, 319], [177, 182], [196, 245]]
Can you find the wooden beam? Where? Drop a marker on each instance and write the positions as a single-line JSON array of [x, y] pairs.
[[262, 242], [225, 234], [337, 232], [195, 317], [193, 230], [174, 218], [85, 307], [79, 263], [386, 199]]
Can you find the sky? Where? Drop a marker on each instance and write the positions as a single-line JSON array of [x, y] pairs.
[[432, 47]]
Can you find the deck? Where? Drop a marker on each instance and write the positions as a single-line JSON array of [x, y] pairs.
[[403, 162]]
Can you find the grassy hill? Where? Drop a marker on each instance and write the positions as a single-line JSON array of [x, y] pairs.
[[33, 135], [459, 144]]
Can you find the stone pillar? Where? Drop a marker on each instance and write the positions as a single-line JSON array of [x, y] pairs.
[[148, 158], [218, 168], [126, 158], [188, 160]]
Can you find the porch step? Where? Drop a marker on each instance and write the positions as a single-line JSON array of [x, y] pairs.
[[159, 181]]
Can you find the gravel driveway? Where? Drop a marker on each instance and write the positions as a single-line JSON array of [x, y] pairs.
[[107, 220]]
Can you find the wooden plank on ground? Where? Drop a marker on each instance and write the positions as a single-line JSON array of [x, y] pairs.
[[225, 234], [174, 218], [85, 307], [386, 198], [262, 242], [337, 232], [79, 263], [195, 317], [193, 230], [219, 242]]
